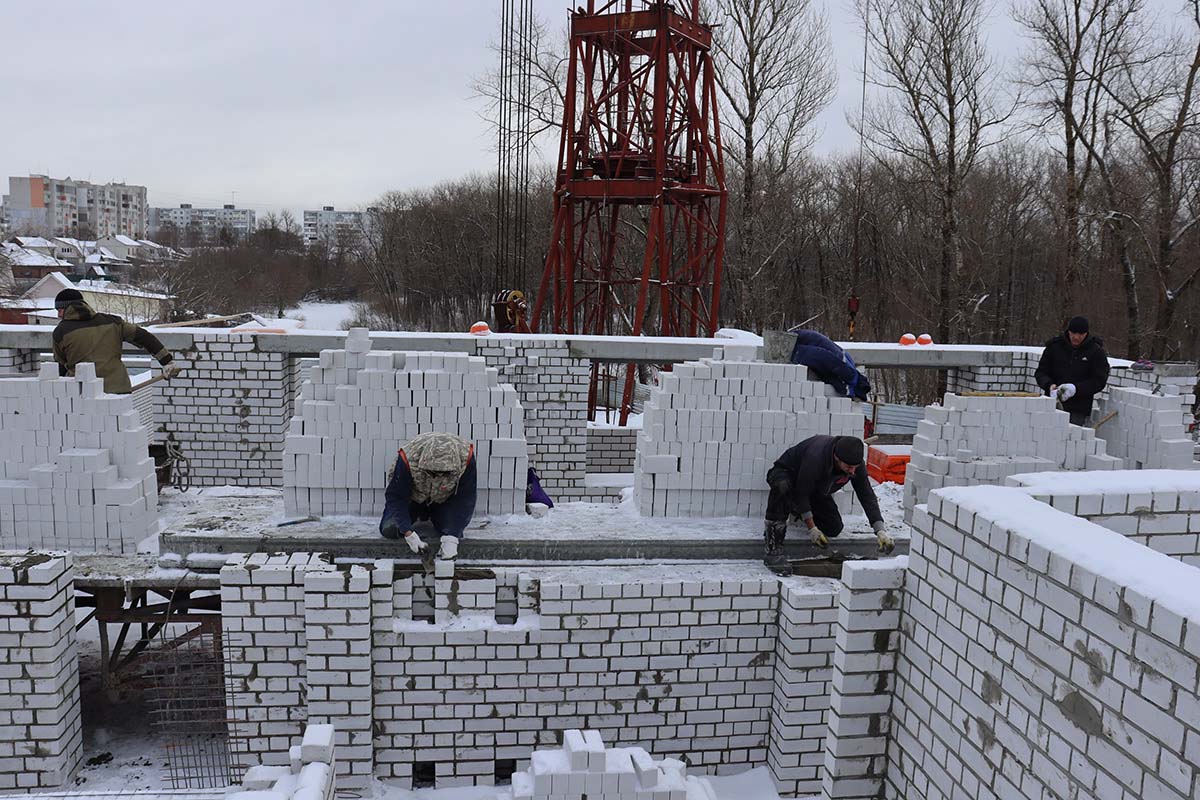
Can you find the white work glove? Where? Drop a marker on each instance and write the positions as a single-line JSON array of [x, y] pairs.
[[449, 548], [1066, 391], [170, 370], [414, 542], [818, 538], [886, 543]]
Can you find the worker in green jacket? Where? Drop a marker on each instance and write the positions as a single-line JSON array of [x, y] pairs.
[[84, 335]]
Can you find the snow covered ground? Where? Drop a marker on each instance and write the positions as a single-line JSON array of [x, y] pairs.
[[323, 316]]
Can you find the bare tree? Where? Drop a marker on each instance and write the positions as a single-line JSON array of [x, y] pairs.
[[773, 66], [1153, 97], [1069, 50], [938, 110]]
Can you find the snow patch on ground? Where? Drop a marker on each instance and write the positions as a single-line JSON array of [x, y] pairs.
[[322, 316]]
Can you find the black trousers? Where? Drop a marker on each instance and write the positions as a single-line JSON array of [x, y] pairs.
[[781, 503]]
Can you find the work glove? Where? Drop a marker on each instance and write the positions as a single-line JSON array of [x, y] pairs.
[[414, 542], [818, 538], [886, 543], [170, 370], [1065, 392], [449, 548]]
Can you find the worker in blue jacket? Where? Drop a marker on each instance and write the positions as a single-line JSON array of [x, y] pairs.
[[830, 364]]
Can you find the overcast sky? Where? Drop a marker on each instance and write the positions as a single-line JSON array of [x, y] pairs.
[[290, 103]]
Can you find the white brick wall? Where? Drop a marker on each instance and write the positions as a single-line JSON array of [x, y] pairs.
[[552, 387], [800, 701], [14, 361], [864, 661], [76, 472], [357, 409], [611, 449], [1032, 667], [310, 775], [41, 739], [1162, 513], [227, 410], [480, 666], [713, 428]]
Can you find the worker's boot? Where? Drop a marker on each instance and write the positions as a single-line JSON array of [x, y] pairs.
[[773, 556]]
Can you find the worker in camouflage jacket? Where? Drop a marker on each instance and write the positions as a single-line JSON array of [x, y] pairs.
[[84, 335], [434, 479], [803, 481]]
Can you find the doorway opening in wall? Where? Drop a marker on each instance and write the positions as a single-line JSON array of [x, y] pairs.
[[505, 767], [424, 774], [132, 648], [188, 693]]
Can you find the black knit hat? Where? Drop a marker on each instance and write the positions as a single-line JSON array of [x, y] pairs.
[[66, 297], [849, 450], [1077, 325]]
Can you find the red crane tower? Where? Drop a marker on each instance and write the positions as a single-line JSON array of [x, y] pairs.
[[640, 200]]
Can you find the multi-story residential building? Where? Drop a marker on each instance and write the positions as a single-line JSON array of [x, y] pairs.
[[340, 230], [65, 207], [203, 225]]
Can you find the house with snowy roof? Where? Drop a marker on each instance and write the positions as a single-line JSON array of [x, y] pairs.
[[129, 302]]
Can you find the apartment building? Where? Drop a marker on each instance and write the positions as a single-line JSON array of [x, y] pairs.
[[340, 230], [203, 225], [66, 207]]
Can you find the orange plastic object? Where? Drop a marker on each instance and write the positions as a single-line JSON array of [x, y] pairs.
[[908, 339], [924, 338], [480, 329], [887, 462]]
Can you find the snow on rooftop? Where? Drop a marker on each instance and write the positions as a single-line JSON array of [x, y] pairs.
[[1160, 578], [19, 256], [128, 242], [33, 241], [106, 287]]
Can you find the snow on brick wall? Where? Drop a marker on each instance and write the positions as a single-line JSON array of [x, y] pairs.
[[713, 428], [1157, 508], [968, 441], [1147, 431], [76, 473], [41, 738], [358, 408], [475, 666], [1041, 655], [552, 386], [227, 410]]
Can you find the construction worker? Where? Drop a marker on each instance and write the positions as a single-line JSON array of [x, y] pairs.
[[434, 479], [803, 481], [84, 335], [830, 363], [1074, 369]]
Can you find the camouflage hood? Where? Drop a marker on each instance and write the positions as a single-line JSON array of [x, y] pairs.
[[437, 462]]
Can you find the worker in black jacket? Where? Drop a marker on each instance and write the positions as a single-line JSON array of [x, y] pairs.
[[1074, 369], [803, 481]]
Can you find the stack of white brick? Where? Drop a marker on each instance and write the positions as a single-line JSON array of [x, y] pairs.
[[585, 768], [1147, 432], [713, 428], [358, 408], [76, 474], [41, 738], [311, 773], [969, 441]]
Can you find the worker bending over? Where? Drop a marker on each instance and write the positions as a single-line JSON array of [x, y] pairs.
[[803, 481], [83, 335], [434, 479]]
